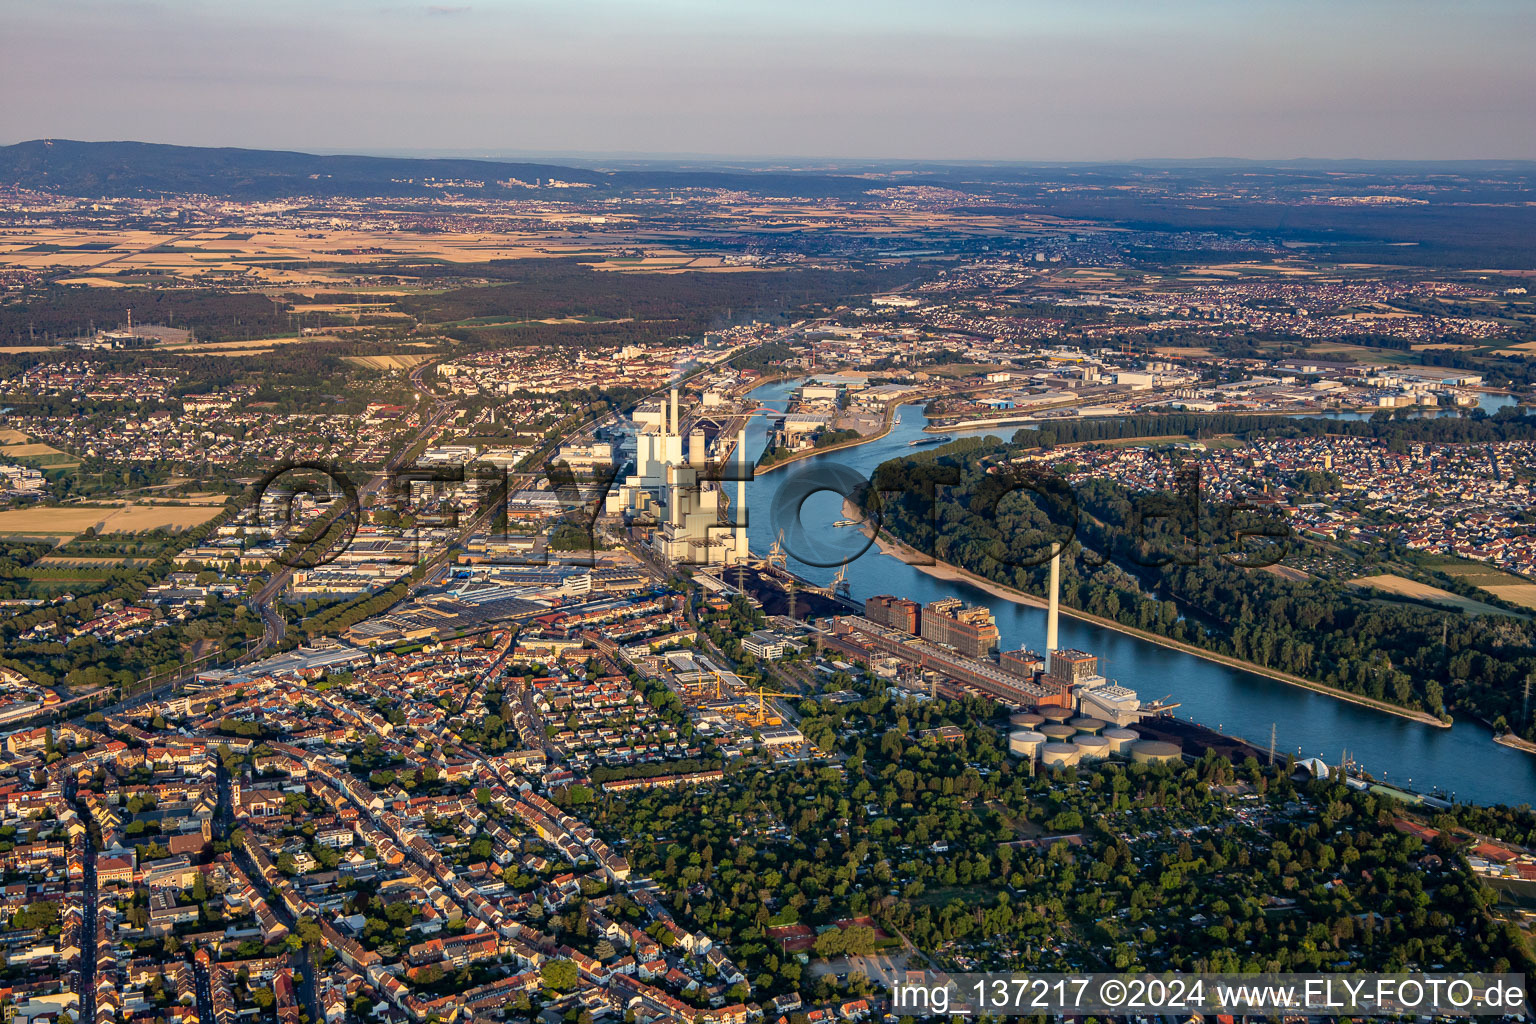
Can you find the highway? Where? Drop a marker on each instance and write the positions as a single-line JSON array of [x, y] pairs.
[[264, 601]]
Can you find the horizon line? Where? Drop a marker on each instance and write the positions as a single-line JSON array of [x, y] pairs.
[[492, 155]]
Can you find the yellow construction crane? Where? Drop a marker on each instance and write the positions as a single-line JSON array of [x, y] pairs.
[[762, 705], [699, 689]]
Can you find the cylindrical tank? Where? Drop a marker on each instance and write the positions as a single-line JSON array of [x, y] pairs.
[[1052, 713], [1092, 748], [1090, 726], [1120, 740], [1058, 754], [1024, 719], [1058, 732], [1154, 752], [1025, 742]]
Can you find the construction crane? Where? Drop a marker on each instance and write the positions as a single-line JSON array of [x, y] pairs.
[[839, 587], [762, 704], [700, 689]]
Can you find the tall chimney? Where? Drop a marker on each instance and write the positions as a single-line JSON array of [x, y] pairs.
[[1053, 614], [741, 492], [677, 424]]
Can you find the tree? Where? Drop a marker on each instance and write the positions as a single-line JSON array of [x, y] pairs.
[[559, 975]]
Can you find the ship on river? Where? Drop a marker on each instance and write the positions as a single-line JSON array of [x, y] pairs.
[[940, 439]]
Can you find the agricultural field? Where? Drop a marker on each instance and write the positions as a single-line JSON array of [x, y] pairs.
[[1401, 586], [70, 562], [1523, 594], [16, 445], [1503, 585], [29, 450], [70, 520], [299, 259], [394, 362], [290, 257]]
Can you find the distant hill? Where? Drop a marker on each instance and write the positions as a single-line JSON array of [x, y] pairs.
[[134, 168], [128, 168]]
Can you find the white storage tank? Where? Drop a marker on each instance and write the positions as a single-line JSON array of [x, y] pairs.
[[1120, 740], [1092, 748], [1059, 755], [1025, 742], [1024, 719], [1088, 726]]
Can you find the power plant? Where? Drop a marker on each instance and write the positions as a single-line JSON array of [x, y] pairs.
[[672, 493], [1066, 711], [961, 643]]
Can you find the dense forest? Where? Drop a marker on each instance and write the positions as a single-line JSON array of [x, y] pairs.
[[55, 311], [1476, 427], [558, 288], [1188, 569]]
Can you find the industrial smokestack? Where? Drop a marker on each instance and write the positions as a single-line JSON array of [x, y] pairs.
[[1052, 614], [677, 424], [741, 492]]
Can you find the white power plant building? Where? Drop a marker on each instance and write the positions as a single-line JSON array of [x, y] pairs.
[[691, 514]]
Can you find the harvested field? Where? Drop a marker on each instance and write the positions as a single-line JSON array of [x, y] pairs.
[[397, 362], [1501, 584], [71, 520], [137, 518], [256, 347], [34, 450], [52, 522], [1403, 587], [1523, 594]]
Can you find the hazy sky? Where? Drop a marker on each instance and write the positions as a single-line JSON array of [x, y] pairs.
[[973, 79]]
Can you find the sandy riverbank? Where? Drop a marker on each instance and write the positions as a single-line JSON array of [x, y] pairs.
[[1514, 742], [944, 571]]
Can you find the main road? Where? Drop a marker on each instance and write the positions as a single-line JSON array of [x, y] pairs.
[[264, 600]]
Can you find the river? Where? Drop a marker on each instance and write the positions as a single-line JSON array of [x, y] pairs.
[[1462, 761]]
